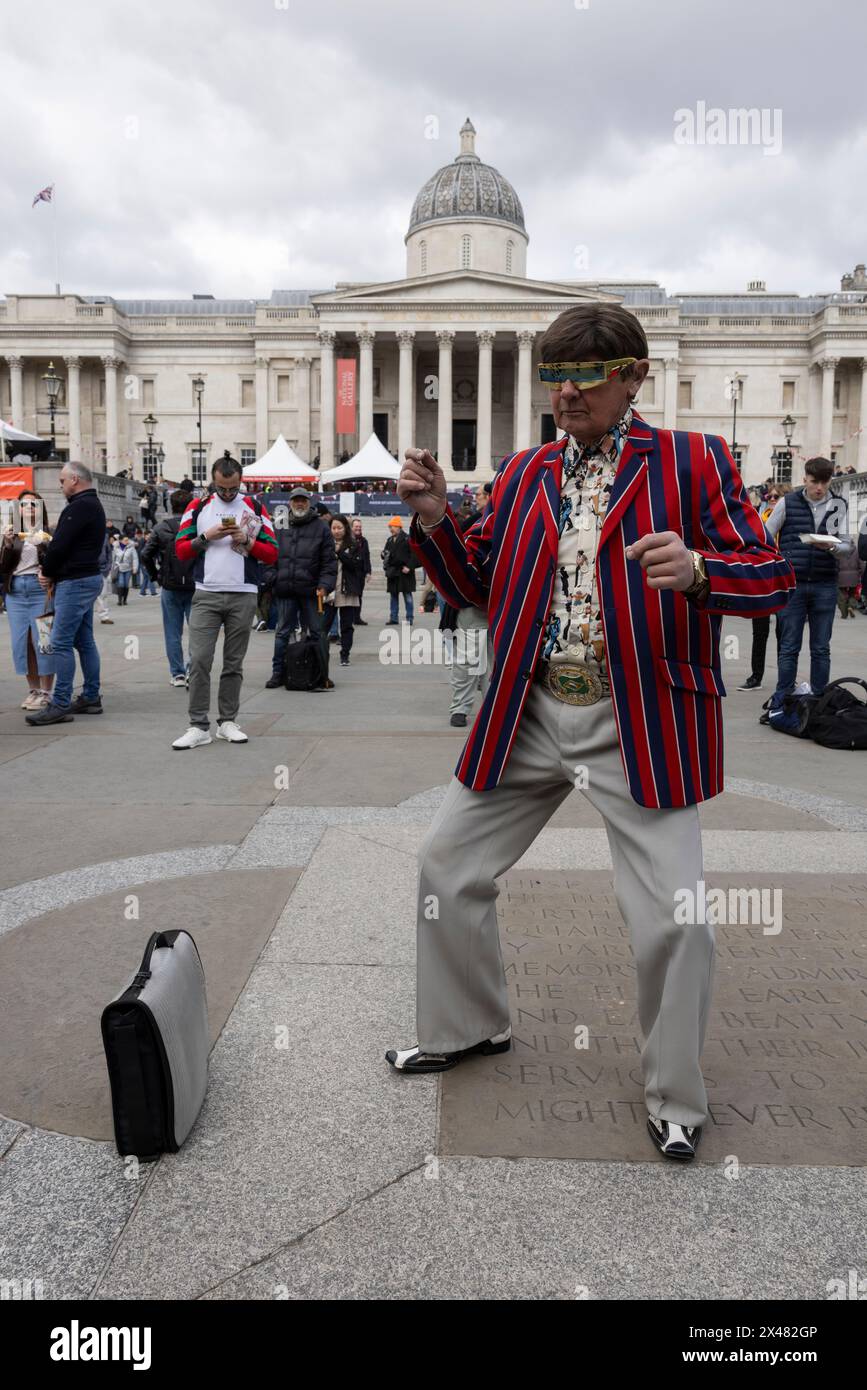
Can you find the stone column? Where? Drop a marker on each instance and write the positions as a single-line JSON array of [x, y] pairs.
[[302, 401], [484, 441], [669, 397], [524, 420], [826, 428], [261, 406], [861, 454], [405, 341], [814, 410], [112, 449], [73, 391], [445, 338], [16, 390], [366, 338], [326, 399]]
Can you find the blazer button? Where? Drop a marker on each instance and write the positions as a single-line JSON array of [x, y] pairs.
[[538, 622], [526, 675]]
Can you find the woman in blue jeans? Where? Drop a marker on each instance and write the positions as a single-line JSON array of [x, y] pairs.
[[20, 557]]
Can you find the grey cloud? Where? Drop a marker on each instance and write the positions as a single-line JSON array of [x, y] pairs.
[[283, 147]]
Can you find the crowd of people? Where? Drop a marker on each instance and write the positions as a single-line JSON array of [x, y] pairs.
[[216, 563]]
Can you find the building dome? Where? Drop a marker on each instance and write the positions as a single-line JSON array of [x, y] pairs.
[[467, 188], [467, 217]]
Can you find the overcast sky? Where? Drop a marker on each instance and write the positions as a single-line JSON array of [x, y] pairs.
[[236, 146]]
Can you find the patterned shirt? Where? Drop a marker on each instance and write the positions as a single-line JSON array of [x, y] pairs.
[[573, 630]]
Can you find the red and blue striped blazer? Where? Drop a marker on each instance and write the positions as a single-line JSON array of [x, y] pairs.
[[662, 649]]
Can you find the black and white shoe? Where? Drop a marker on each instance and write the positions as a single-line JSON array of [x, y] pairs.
[[417, 1063], [674, 1141], [751, 683]]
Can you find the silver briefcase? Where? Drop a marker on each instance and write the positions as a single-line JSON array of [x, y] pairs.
[[155, 1035]]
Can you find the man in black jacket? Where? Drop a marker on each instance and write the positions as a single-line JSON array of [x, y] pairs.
[[178, 585], [71, 568], [306, 569]]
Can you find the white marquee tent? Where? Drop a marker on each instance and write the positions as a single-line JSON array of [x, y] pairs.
[[281, 461], [372, 461]]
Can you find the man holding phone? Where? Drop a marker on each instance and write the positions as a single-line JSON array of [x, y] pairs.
[[224, 535]]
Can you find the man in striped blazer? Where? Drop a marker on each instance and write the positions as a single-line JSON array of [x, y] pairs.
[[606, 561]]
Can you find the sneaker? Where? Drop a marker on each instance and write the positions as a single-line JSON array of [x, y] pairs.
[[180, 682], [458, 721], [344, 661], [193, 738], [50, 714], [674, 1141], [417, 1063], [33, 699], [751, 683], [229, 730], [82, 706], [107, 619], [360, 622], [261, 625], [273, 682]]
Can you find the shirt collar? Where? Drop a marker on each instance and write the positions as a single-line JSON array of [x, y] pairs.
[[610, 446]]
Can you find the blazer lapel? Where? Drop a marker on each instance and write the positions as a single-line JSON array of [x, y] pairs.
[[550, 480], [629, 477]]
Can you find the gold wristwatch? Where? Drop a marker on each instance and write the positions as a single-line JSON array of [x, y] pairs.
[[700, 579]]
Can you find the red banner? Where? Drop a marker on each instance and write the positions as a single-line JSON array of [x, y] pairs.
[[346, 368], [14, 481]]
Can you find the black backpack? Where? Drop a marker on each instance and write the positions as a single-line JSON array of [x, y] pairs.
[[306, 666], [838, 719]]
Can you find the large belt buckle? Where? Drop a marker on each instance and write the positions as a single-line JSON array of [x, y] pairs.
[[573, 683]]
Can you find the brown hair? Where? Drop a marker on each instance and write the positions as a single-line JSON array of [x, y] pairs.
[[590, 331], [821, 470]]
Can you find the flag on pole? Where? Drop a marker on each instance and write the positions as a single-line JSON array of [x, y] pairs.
[[44, 196]]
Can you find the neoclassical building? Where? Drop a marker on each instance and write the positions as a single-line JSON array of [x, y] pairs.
[[446, 356]]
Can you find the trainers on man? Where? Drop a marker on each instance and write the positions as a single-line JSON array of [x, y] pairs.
[[229, 730], [193, 738], [50, 714], [82, 706]]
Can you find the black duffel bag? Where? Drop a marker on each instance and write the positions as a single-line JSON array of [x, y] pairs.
[[838, 719]]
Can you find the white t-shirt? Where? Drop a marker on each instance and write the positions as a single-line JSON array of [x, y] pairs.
[[224, 567]]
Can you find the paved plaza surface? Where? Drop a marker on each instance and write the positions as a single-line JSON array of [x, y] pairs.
[[313, 1170]]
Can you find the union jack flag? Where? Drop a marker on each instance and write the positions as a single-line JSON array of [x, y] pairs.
[[44, 195]]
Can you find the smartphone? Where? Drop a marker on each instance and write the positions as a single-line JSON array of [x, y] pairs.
[[227, 522]]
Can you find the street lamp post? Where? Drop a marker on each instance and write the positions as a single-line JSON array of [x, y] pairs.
[[150, 424], [778, 460], [52, 386], [733, 386], [199, 387]]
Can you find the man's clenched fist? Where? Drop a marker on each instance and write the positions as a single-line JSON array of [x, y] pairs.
[[422, 485], [664, 559]]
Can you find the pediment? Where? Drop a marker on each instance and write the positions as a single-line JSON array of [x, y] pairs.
[[467, 286]]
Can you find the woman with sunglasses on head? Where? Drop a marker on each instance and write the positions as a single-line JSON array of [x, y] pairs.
[[762, 626], [21, 555]]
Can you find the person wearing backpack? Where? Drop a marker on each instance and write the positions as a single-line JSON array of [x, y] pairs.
[[809, 511], [160, 561]]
